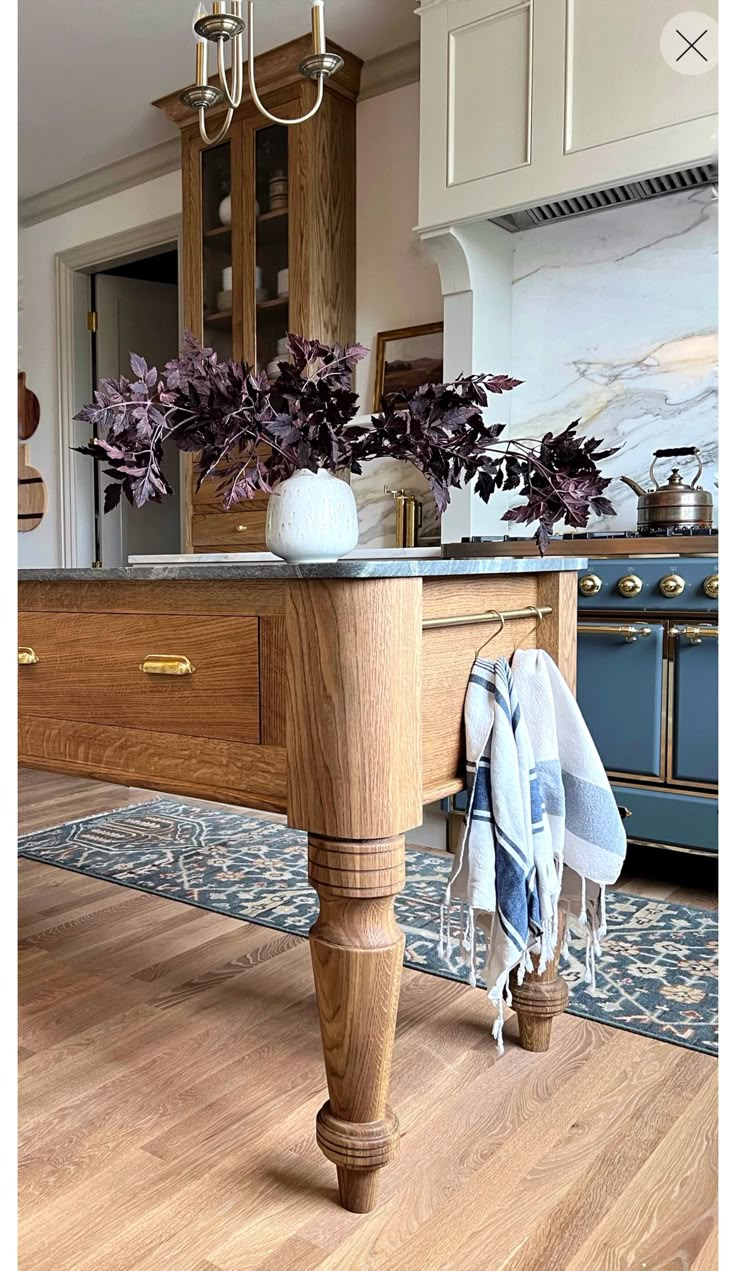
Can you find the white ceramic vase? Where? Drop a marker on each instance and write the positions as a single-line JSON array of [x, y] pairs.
[[225, 211], [311, 518]]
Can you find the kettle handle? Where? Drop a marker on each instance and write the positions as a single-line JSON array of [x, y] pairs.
[[674, 454]]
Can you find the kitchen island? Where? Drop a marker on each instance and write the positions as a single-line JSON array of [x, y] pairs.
[[332, 693]]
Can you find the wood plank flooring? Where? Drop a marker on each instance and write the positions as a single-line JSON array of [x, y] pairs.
[[170, 1072]]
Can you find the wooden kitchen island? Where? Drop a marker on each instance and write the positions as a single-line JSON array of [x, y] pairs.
[[332, 693]]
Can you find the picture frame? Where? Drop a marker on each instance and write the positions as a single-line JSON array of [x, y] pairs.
[[416, 359]]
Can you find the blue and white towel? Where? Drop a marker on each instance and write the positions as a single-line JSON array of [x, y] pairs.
[[504, 871], [539, 806], [584, 821]]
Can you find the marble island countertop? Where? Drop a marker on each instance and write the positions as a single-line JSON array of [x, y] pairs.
[[393, 568]]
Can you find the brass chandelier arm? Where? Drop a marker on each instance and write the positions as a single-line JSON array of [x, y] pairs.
[[254, 92], [212, 141], [235, 98]]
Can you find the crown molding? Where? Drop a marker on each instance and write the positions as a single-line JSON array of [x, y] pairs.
[[114, 177], [380, 74], [390, 70]]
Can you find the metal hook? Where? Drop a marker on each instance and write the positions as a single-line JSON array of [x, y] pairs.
[[496, 614]]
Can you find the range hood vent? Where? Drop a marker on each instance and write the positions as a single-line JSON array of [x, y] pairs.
[[598, 200]]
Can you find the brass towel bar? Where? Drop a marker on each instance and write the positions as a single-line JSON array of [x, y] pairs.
[[493, 615]]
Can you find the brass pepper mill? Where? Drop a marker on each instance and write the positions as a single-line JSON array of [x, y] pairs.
[[408, 516]]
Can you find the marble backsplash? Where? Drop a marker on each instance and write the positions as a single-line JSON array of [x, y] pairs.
[[614, 323], [376, 509]]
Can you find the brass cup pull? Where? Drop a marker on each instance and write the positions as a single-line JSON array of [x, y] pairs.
[[27, 656], [166, 664]]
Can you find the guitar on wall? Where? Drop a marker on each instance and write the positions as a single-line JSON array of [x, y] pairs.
[[32, 492]]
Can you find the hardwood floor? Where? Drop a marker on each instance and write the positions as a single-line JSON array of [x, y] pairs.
[[170, 1072]]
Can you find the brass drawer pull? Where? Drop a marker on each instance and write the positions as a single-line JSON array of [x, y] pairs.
[[166, 664], [241, 529], [696, 634], [27, 656], [609, 628]]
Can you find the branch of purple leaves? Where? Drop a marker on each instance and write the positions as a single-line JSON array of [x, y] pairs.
[[251, 432]]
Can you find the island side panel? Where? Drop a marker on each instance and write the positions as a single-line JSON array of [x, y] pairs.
[[354, 783], [448, 654]]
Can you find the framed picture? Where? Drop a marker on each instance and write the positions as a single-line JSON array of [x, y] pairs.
[[406, 358]]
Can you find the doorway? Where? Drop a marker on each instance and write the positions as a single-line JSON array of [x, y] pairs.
[[115, 296], [136, 310]]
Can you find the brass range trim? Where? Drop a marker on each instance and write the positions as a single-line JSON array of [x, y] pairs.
[[630, 782], [712, 852]]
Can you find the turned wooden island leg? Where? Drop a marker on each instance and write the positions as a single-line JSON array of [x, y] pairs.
[[354, 782], [357, 953], [540, 997]]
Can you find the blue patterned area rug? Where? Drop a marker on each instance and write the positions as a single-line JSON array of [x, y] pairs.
[[657, 974]]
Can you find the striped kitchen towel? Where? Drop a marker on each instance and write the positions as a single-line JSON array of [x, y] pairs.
[[581, 811], [504, 874]]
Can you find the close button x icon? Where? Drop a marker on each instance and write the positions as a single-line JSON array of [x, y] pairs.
[[691, 44]]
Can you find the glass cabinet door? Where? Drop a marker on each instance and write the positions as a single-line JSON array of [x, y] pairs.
[[271, 267], [217, 256]]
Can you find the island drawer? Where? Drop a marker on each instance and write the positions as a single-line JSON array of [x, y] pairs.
[[88, 667], [243, 529]]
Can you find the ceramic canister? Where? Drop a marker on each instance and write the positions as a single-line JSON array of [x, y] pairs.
[[278, 191], [282, 283], [227, 278]]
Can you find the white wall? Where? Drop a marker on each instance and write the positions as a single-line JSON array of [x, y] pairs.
[[37, 248], [397, 283]]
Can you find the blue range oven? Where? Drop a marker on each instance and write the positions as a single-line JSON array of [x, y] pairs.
[[647, 686]]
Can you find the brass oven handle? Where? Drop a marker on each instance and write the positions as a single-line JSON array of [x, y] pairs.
[[610, 628], [694, 634], [166, 664], [27, 656]]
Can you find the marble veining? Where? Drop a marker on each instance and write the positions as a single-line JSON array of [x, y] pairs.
[[433, 568], [376, 508], [614, 322]]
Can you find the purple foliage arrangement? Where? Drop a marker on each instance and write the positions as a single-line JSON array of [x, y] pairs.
[[251, 432]]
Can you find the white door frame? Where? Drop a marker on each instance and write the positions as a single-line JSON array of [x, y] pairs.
[[116, 249]]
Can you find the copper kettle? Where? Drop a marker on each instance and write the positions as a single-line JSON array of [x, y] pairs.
[[675, 504]]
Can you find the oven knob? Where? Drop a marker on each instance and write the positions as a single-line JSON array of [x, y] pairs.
[[590, 585], [629, 585], [710, 586], [672, 585]]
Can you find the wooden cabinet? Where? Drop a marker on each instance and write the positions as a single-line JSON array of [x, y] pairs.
[[526, 102], [269, 241]]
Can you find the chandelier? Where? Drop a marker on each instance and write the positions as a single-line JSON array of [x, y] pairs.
[[226, 25]]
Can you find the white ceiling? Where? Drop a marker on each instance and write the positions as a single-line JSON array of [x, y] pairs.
[[88, 70]]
